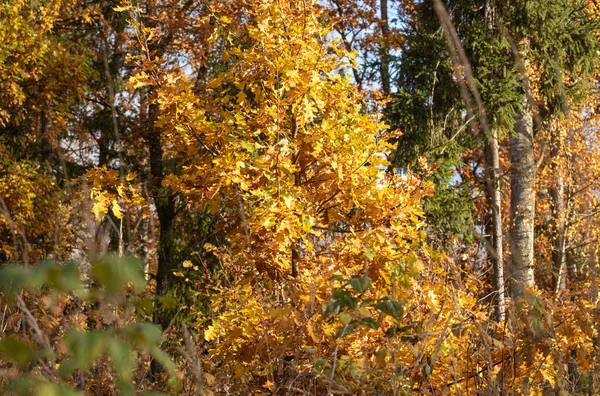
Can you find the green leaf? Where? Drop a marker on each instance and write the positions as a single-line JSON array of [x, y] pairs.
[[344, 331], [122, 361], [394, 309], [50, 389], [340, 294], [123, 364], [381, 355], [115, 272], [50, 273], [84, 348], [350, 302], [16, 351], [13, 279], [269, 222], [360, 285], [320, 364], [167, 302], [60, 277], [368, 322], [307, 223], [145, 305], [144, 334], [163, 358], [26, 387], [331, 308]]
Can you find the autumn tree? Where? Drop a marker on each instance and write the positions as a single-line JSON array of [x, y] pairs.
[[295, 170]]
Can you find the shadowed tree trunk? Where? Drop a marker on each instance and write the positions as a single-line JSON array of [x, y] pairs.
[[491, 151], [165, 208], [385, 48]]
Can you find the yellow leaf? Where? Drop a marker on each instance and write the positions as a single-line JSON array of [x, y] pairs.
[[210, 333], [269, 385], [307, 223], [345, 318], [100, 206], [269, 222], [288, 201], [122, 8], [116, 209], [210, 379]]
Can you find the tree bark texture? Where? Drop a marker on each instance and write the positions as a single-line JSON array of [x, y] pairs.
[[494, 193], [495, 201], [522, 202], [385, 48], [165, 208], [559, 256]]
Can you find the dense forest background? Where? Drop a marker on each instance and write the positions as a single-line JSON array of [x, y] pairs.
[[370, 197]]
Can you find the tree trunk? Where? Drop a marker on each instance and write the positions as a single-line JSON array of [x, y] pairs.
[[495, 201], [593, 267], [470, 94], [557, 196], [165, 208], [494, 172], [385, 48], [46, 146], [522, 202], [557, 205]]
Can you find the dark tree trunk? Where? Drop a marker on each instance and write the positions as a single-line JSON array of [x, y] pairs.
[[165, 208], [164, 201], [385, 48]]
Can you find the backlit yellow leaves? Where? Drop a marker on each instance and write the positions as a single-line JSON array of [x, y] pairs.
[[109, 191], [139, 80]]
